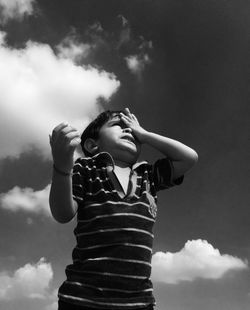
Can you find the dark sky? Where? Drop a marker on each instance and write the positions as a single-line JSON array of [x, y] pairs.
[[193, 89]]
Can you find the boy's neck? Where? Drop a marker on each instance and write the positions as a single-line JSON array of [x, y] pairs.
[[122, 164]]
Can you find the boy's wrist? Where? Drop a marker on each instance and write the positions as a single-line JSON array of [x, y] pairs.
[[62, 172], [142, 136]]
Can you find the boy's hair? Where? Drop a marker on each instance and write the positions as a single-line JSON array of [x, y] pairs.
[[93, 129]]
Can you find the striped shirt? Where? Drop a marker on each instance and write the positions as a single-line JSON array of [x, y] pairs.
[[112, 259]]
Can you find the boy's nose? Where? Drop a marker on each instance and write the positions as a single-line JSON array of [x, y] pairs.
[[127, 129]]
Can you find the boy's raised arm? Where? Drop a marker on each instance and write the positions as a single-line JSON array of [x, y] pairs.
[[182, 156], [63, 142]]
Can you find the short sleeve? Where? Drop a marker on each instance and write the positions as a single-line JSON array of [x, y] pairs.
[[78, 181], [163, 171]]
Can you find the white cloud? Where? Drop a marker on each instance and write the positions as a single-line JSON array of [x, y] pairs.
[[52, 306], [123, 20], [39, 90], [30, 281], [125, 32], [198, 259], [26, 199], [137, 63], [134, 49], [53, 299], [71, 48], [15, 9], [95, 28]]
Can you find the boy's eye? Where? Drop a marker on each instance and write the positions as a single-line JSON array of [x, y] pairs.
[[116, 124]]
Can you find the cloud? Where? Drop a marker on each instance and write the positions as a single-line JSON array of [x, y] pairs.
[[30, 281], [198, 259], [125, 31], [26, 199], [40, 89], [52, 306], [53, 299], [15, 9], [72, 48], [137, 63], [134, 50]]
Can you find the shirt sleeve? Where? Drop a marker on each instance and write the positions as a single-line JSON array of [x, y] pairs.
[[163, 172], [78, 181]]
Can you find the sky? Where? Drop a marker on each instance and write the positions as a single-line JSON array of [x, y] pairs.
[[182, 67]]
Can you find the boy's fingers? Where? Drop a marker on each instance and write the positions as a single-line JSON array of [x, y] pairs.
[[134, 117], [126, 110], [75, 142], [59, 127], [56, 131], [125, 118], [72, 135], [65, 131], [62, 130], [124, 115]]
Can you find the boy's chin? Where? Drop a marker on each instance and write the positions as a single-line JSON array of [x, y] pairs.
[[127, 155], [132, 149], [131, 156]]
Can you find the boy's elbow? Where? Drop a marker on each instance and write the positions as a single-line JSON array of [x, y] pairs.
[[192, 159], [195, 157], [62, 219], [61, 216], [188, 161]]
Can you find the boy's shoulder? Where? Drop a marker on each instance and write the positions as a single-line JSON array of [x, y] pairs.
[[95, 161]]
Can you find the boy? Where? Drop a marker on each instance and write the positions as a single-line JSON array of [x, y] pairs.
[[114, 197]]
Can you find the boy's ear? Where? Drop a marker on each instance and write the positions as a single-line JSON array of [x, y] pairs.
[[91, 146]]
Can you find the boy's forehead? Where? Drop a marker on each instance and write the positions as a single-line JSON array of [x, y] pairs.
[[113, 118]]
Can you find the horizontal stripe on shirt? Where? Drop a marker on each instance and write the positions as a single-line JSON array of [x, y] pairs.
[[136, 304], [111, 202], [109, 289], [114, 230], [98, 179], [109, 274], [100, 191], [116, 214], [115, 244], [78, 198], [133, 261]]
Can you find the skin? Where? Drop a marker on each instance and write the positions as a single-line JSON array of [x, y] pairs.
[[63, 142], [182, 156], [116, 138], [112, 139]]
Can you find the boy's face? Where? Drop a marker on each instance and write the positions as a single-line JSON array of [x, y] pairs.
[[117, 139]]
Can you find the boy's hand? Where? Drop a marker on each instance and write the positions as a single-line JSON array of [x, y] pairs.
[[63, 142], [131, 121]]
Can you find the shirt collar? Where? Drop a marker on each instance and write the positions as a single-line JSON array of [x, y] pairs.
[[106, 159]]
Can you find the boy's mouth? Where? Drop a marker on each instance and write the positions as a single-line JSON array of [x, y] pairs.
[[129, 138]]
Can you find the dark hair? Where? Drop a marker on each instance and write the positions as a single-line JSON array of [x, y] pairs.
[[93, 129]]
